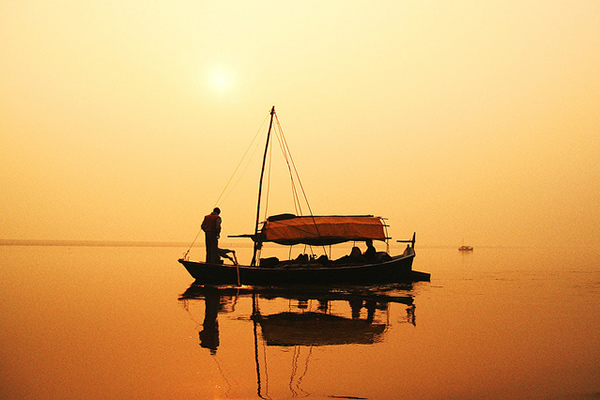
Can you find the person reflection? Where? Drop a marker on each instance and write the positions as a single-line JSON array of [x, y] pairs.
[[356, 305], [370, 305], [209, 336]]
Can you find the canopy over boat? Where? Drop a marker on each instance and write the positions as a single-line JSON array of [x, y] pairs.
[[289, 229]]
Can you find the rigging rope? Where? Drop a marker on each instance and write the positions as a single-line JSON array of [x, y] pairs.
[[242, 159], [301, 377], [253, 142], [293, 165], [287, 157], [295, 181], [295, 357], [268, 182], [293, 174]]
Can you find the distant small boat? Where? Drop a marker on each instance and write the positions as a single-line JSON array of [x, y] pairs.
[[465, 248]]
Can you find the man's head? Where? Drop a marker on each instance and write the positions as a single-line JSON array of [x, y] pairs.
[[217, 211]]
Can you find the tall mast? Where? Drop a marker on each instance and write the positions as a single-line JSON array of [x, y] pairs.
[[260, 185]]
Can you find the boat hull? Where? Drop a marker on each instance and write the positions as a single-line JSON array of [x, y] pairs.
[[398, 269]]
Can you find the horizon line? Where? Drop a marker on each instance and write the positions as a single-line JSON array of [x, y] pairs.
[[150, 243], [90, 243]]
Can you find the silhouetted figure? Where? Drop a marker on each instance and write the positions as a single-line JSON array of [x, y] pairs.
[[212, 230], [355, 252], [355, 257], [370, 253]]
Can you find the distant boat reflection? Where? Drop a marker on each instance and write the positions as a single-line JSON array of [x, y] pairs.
[[364, 321]]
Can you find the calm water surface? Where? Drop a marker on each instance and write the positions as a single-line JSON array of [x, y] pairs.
[[127, 323]]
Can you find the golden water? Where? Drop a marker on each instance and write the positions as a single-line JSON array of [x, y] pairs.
[[111, 323]]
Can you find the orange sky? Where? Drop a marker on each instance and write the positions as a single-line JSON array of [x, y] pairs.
[[124, 120]]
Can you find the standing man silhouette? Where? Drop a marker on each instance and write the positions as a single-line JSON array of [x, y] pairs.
[[212, 230]]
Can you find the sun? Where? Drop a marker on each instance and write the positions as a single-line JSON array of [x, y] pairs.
[[220, 80]]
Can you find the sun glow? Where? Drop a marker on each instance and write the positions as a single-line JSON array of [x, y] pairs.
[[220, 80]]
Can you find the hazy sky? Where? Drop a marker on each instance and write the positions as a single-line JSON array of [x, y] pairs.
[[123, 120]]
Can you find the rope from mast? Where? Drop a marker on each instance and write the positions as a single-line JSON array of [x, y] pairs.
[[254, 143], [293, 174], [295, 181], [293, 171]]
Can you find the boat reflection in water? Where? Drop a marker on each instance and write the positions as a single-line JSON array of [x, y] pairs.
[[300, 317], [364, 322]]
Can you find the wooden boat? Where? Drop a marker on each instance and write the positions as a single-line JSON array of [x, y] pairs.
[[311, 230]]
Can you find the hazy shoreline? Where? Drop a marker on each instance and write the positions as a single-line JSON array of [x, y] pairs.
[[89, 243], [141, 243]]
